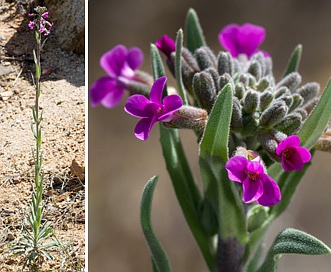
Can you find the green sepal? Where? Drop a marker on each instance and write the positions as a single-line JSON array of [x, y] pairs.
[[292, 241], [193, 31], [158, 254], [178, 67], [220, 191], [294, 61]]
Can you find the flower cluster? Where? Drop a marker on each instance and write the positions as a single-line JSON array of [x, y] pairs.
[[39, 21], [265, 114]]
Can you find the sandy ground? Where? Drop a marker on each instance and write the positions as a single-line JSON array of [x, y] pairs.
[[63, 127]]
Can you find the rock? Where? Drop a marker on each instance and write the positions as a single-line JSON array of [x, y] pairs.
[[78, 169], [5, 95], [69, 23]]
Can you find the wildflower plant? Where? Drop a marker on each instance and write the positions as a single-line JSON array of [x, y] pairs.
[[35, 244], [256, 138]]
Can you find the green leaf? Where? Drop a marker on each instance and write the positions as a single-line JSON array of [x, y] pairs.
[[178, 67], [158, 254], [157, 65], [317, 121], [213, 155], [193, 31], [292, 241], [294, 60], [186, 190]]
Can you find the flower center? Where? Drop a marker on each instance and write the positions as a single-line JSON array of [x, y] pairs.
[[253, 175], [287, 153]]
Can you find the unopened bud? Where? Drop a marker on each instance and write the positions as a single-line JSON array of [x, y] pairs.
[[189, 117], [143, 77], [291, 81], [224, 63], [205, 58], [265, 99], [239, 90], [255, 69], [290, 124], [297, 102], [250, 124], [274, 114], [204, 90], [251, 101], [308, 91], [263, 84], [269, 141], [281, 91], [136, 87], [224, 80], [236, 118]]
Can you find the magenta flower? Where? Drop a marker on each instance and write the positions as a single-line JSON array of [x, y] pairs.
[[31, 24], [166, 45], [243, 39], [292, 155], [257, 185], [120, 65], [151, 111]]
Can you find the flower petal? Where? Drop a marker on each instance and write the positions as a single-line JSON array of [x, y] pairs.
[[144, 127], [139, 106], [105, 91], [135, 58], [249, 38], [113, 61], [157, 90], [236, 167], [304, 154], [252, 190], [291, 141], [228, 38], [166, 45], [171, 104], [271, 192]]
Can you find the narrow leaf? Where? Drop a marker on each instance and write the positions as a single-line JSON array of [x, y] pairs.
[[193, 31], [158, 254], [292, 241], [178, 67], [157, 65], [294, 61], [317, 121]]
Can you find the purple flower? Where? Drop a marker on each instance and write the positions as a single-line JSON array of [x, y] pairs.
[[45, 15], [292, 155], [120, 64], [257, 185], [31, 24], [151, 111], [166, 45], [243, 39]]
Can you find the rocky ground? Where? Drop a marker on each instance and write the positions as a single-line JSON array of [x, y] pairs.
[[63, 145]]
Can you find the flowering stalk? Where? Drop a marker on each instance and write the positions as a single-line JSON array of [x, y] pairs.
[[33, 243]]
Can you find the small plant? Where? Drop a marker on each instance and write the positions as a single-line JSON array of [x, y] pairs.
[[35, 242]]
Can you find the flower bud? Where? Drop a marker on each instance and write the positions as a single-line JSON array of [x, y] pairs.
[[205, 58], [255, 69], [308, 91], [274, 114], [265, 99], [251, 101], [250, 124], [136, 87], [291, 81], [290, 124], [224, 63], [236, 118], [204, 90], [269, 141], [223, 80], [297, 102], [189, 117], [239, 90], [143, 77], [263, 84]]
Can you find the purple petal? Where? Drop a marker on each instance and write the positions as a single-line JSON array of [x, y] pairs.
[[304, 154], [166, 45], [139, 106], [249, 38], [113, 61], [228, 38], [171, 104], [236, 167], [135, 58], [291, 141], [105, 91], [252, 190], [157, 90], [271, 192], [144, 127]]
